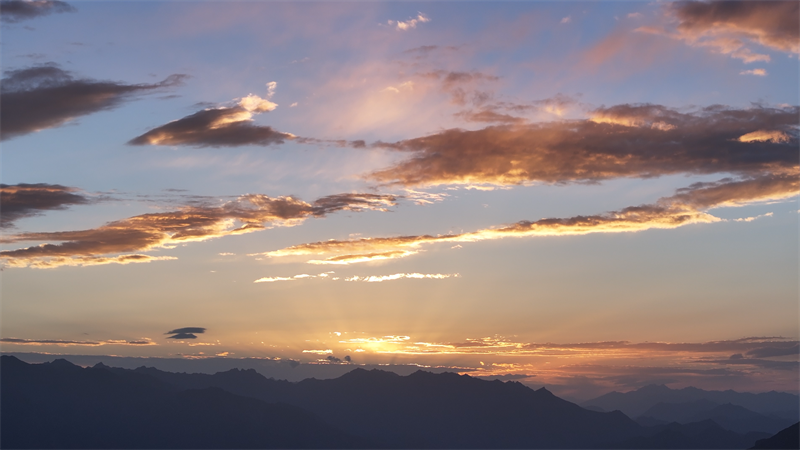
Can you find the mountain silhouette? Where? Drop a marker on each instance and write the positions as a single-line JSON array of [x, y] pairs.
[[61, 405], [426, 410], [787, 438]]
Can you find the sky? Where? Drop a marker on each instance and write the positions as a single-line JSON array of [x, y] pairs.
[[589, 196]]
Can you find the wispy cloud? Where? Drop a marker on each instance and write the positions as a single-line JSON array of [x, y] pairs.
[[46, 96], [758, 72], [398, 276], [410, 23], [68, 343], [365, 279]]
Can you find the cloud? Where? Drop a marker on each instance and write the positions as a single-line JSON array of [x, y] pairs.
[[767, 352], [734, 27], [68, 343], [46, 96], [366, 279], [367, 257], [633, 141], [246, 214], [462, 86], [186, 333], [398, 276], [410, 23], [687, 206], [13, 11], [758, 72], [293, 278], [25, 200], [220, 127], [501, 111], [567, 19], [773, 24], [82, 261]]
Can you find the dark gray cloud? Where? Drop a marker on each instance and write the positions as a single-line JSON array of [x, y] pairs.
[[25, 200], [46, 96], [639, 141], [198, 330], [218, 127], [13, 11], [186, 333]]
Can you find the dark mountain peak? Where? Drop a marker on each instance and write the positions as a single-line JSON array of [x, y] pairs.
[[360, 373], [250, 374], [543, 391], [61, 364], [424, 374], [100, 365], [8, 359]]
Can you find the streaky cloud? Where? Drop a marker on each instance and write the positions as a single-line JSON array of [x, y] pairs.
[[69, 343], [688, 206], [248, 213], [46, 96], [30, 199]]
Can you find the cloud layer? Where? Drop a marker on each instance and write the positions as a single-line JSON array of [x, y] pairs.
[[46, 96], [638, 141], [687, 206], [248, 213], [25, 200]]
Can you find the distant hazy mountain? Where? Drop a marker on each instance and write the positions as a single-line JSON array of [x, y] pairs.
[[60, 405], [705, 434], [635, 403], [728, 416]]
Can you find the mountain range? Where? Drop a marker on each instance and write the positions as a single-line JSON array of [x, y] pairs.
[[61, 405]]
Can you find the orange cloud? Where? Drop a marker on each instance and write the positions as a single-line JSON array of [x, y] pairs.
[[246, 214], [773, 24], [220, 127], [640, 141], [687, 206]]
